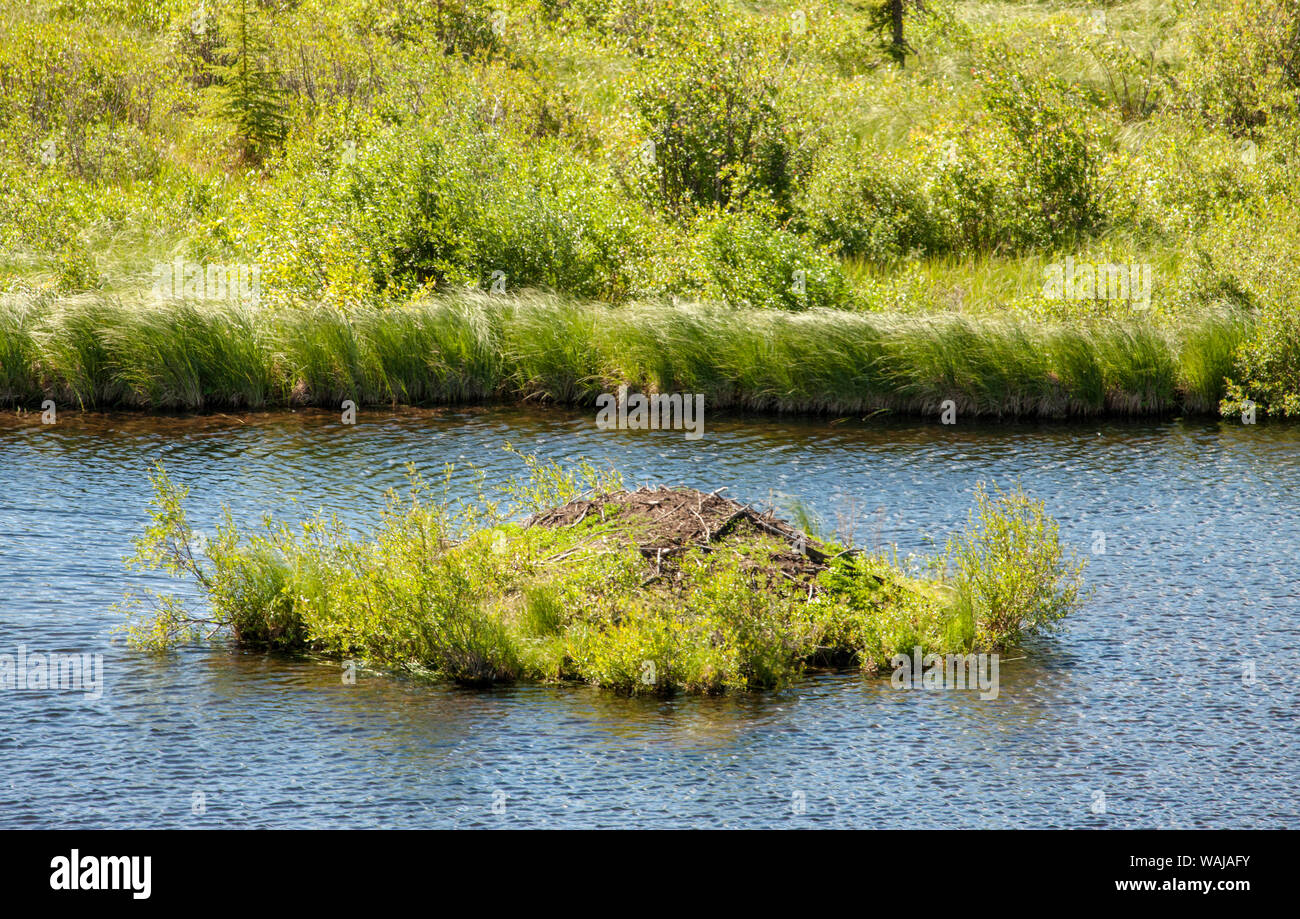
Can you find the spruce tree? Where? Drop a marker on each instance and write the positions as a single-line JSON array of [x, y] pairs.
[[247, 90]]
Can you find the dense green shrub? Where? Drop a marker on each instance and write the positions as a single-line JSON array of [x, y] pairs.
[[1053, 142], [463, 26], [1172, 178], [871, 204], [715, 112], [1266, 372], [754, 263], [642, 27], [1243, 72], [980, 200], [78, 99], [447, 205], [1012, 575], [1253, 263]]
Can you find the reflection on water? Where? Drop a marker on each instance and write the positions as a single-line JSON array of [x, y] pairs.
[[1142, 697]]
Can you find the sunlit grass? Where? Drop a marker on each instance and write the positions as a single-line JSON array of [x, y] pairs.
[[98, 352]]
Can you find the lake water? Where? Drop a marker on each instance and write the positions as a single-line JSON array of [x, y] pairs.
[[1172, 696]]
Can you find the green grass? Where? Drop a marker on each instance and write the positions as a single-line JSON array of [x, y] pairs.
[[99, 353]]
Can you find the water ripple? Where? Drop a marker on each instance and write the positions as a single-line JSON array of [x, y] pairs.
[[1172, 694]]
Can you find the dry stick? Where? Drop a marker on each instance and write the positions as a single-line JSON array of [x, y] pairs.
[[567, 552], [666, 550], [659, 569], [758, 521], [726, 523], [703, 524]]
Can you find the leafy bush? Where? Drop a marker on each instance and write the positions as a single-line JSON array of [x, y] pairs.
[[447, 206], [1266, 371], [463, 26], [1054, 143], [1012, 575], [715, 112], [980, 200], [1249, 265], [869, 608], [1243, 71], [1256, 263], [1170, 178], [870, 204], [752, 262]]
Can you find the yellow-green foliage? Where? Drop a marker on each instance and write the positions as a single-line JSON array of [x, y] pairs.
[[767, 156], [458, 590], [1011, 573]]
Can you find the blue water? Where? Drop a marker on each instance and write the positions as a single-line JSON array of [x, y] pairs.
[[1143, 701]]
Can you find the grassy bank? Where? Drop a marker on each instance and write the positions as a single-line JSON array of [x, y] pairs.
[[788, 157], [566, 576], [97, 353]]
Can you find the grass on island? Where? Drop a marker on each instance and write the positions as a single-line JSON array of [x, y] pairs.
[[564, 575]]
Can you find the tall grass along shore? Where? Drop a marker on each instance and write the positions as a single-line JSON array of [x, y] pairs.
[[97, 353]]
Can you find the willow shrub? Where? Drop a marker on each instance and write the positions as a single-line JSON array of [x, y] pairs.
[[871, 204], [1249, 266], [752, 261], [1013, 576], [714, 104], [422, 205]]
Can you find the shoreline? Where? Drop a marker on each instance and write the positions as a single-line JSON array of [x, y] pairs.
[[475, 349]]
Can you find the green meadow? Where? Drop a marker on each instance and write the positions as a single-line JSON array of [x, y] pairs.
[[1029, 209]]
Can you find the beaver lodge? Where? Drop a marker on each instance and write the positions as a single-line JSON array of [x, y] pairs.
[[665, 523]]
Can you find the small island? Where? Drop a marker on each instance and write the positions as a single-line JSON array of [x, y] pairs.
[[568, 576]]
